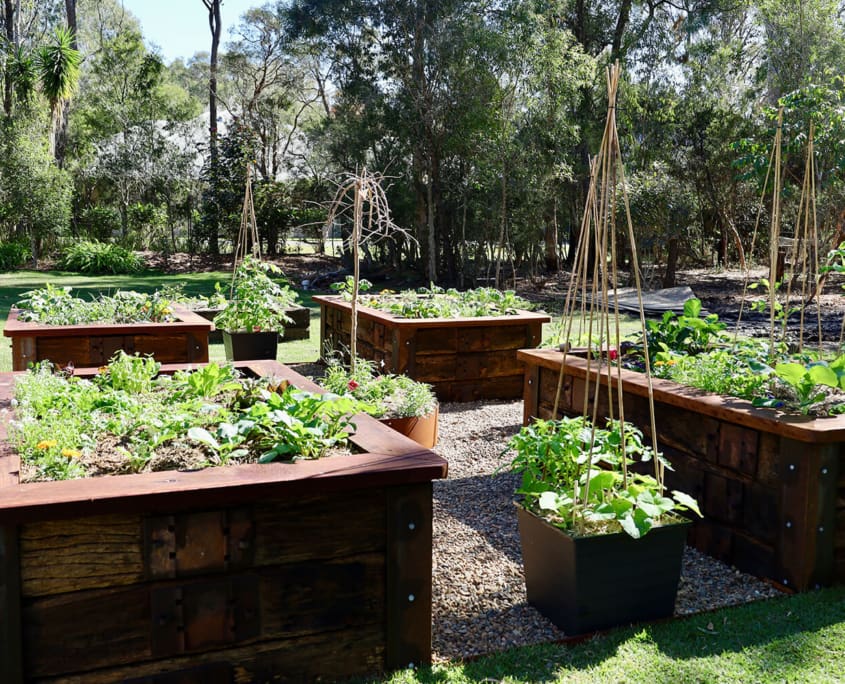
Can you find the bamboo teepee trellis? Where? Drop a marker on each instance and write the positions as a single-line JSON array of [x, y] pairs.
[[593, 309]]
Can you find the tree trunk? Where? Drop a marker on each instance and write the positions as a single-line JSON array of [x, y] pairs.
[[10, 20], [672, 262], [551, 257], [214, 25], [61, 128]]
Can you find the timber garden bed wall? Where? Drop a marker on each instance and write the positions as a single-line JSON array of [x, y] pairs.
[[184, 340], [317, 569], [771, 486], [464, 359]]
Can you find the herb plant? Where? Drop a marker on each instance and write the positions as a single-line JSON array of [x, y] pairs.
[[435, 302], [57, 306], [131, 419], [384, 395], [573, 476], [258, 302]]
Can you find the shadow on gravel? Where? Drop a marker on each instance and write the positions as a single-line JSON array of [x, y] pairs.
[[484, 503]]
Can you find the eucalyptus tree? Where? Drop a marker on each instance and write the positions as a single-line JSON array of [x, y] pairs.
[[215, 26]]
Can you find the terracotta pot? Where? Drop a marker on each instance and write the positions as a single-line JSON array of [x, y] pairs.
[[422, 430], [585, 584]]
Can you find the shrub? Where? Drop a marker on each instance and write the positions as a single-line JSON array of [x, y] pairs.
[[100, 257], [13, 255]]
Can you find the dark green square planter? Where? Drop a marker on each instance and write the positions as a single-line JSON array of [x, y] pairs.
[[250, 346], [586, 584]]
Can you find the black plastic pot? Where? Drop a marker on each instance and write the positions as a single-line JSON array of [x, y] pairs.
[[247, 346], [585, 584]]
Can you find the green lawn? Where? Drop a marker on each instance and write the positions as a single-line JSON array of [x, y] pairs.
[[793, 639]]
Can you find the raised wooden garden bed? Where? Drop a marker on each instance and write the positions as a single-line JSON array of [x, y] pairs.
[[318, 569], [771, 486], [300, 329], [464, 359], [182, 341]]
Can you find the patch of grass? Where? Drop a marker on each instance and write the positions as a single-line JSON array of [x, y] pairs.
[[798, 638]]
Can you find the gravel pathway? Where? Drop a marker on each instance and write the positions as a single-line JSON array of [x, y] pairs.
[[479, 603]]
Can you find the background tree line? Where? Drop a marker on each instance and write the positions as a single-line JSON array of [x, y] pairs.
[[483, 114]]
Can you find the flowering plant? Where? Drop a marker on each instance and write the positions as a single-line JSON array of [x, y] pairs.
[[384, 396]]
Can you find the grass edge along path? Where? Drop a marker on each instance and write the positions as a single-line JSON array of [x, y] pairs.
[[799, 638]]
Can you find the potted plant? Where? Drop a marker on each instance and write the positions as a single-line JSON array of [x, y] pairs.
[[399, 402], [255, 314], [601, 544]]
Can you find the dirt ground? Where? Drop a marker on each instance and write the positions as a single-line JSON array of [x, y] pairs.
[[720, 290]]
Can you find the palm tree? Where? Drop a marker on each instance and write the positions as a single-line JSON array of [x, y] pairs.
[[58, 68]]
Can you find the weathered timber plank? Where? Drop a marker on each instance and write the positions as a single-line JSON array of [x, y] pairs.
[[319, 527], [409, 535], [84, 553], [63, 350], [11, 642], [351, 651], [109, 628]]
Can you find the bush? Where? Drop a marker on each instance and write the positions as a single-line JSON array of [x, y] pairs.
[[100, 257], [13, 255]]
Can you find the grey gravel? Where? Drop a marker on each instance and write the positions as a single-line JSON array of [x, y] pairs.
[[479, 603]]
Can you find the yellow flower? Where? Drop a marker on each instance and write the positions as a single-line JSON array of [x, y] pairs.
[[45, 444], [71, 453]]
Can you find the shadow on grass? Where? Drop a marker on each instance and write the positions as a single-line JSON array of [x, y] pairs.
[[795, 638]]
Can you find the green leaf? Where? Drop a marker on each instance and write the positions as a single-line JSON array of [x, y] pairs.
[[687, 501], [793, 373], [203, 436], [821, 374], [630, 526], [692, 308]]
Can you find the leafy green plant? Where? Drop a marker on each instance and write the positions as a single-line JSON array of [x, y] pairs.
[[435, 302], [53, 305], [762, 305], [13, 254], [95, 258], [689, 333], [137, 419], [258, 302], [573, 476], [384, 395]]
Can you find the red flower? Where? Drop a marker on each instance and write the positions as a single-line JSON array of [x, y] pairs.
[[612, 354], [352, 385]]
